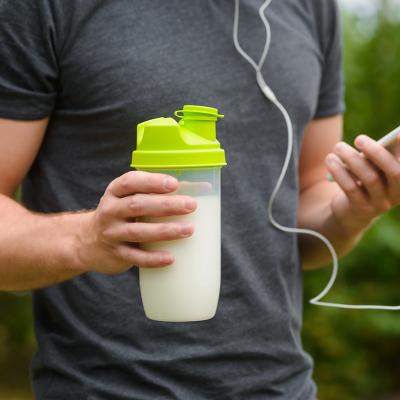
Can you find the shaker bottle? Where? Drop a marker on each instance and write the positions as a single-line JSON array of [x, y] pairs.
[[188, 289]]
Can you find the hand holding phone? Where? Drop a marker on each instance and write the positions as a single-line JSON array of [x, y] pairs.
[[368, 176], [389, 141]]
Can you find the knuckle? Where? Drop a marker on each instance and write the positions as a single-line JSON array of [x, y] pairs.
[[125, 254], [133, 233], [124, 181], [372, 179], [153, 179], [149, 261], [169, 230], [106, 235], [351, 188], [168, 204], [136, 205], [353, 158], [104, 197], [105, 210], [110, 188]]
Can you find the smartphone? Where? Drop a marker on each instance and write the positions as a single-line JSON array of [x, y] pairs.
[[388, 141]]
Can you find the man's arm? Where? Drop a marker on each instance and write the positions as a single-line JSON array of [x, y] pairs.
[[316, 193], [38, 250], [22, 234], [367, 184]]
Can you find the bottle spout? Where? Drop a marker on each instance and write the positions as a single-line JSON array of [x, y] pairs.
[[199, 119]]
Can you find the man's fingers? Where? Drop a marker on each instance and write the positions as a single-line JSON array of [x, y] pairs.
[[347, 183], [142, 258], [140, 232], [365, 172], [142, 182], [381, 157], [154, 205]]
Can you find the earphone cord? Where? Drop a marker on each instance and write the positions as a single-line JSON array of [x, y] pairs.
[[269, 94]]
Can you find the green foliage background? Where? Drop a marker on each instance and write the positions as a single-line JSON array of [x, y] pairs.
[[356, 352]]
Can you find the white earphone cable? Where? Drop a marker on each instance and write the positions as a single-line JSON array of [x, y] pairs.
[[269, 94]]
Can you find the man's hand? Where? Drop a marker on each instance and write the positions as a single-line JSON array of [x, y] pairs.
[[369, 182], [39, 250], [108, 241]]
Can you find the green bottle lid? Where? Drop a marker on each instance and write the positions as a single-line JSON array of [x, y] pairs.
[[163, 143]]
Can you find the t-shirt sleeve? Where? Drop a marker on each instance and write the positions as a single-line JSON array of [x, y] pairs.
[[28, 61], [331, 93]]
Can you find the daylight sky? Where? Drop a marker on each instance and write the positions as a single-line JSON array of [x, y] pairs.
[[365, 7], [360, 6]]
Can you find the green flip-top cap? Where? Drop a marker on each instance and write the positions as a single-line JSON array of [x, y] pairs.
[[162, 143]]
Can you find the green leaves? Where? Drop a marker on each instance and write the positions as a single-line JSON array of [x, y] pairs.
[[356, 352]]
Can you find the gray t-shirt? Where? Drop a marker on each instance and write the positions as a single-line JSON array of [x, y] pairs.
[[99, 67]]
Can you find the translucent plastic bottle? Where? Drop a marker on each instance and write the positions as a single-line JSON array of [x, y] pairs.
[[188, 289]]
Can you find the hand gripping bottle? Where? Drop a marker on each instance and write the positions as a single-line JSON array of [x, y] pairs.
[[188, 289]]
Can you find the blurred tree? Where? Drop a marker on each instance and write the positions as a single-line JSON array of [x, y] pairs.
[[356, 352]]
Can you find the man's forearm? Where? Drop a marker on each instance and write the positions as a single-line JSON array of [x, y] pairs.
[[315, 213], [36, 250]]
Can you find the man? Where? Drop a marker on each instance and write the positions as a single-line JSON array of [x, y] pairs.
[[75, 78]]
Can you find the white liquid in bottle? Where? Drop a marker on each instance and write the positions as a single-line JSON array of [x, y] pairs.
[[188, 289]]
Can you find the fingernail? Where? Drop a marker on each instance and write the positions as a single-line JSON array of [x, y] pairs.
[[164, 259], [186, 229], [190, 204], [360, 141], [340, 147], [331, 159], [169, 183]]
